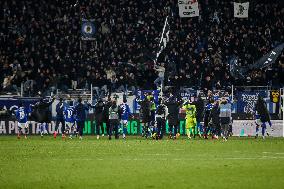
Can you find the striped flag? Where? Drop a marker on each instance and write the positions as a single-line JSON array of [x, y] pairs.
[[164, 39]]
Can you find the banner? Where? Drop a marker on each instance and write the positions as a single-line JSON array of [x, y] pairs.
[[188, 95], [247, 128], [268, 58], [134, 127], [88, 29], [241, 10], [275, 96], [140, 96], [188, 8], [12, 103], [247, 100]]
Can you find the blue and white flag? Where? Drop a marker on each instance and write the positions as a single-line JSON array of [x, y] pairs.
[[247, 100], [164, 39], [88, 29], [268, 58]]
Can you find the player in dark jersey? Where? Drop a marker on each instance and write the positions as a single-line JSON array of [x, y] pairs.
[[60, 107], [161, 116], [199, 104], [108, 104], [153, 110], [80, 112], [262, 116], [173, 106], [207, 127], [145, 116], [42, 113], [99, 117], [214, 119]]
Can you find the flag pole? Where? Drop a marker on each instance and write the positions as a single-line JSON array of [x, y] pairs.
[[160, 49], [161, 39]]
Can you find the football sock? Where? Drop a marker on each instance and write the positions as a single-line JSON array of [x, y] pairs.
[[41, 128], [188, 132], [263, 130], [256, 130], [124, 130]]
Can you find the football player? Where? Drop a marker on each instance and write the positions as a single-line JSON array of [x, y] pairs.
[[190, 118], [22, 118], [125, 114], [69, 115]]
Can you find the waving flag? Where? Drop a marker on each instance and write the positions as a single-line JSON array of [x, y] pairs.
[[265, 61], [268, 58], [164, 39]]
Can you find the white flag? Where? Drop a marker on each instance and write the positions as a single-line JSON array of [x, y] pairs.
[[164, 38], [188, 8], [241, 10]]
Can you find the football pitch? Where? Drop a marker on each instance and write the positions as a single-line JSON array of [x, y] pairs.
[[139, 163]]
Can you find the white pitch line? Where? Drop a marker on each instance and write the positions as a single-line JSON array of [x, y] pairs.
[[175, 159], [254, 158], [157, 154], [179, 149], [278, 153]]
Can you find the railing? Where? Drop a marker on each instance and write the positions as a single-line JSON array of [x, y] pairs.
[[84, 94]]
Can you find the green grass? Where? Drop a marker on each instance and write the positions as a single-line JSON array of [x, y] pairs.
[[139, 163]]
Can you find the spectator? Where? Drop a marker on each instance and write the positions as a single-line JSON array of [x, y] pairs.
[[35, 37], [28, 86], [161, 75]]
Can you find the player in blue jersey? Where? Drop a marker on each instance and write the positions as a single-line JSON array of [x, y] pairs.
[[125, 114], [69, 115], [257, 123], [22, 118]]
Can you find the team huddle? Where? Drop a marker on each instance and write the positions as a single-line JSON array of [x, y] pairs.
[[203, 117]]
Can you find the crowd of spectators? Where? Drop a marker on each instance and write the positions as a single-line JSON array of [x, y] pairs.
[[41, 46]]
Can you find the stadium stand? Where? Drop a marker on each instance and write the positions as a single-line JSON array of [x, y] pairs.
[[41, 48]]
